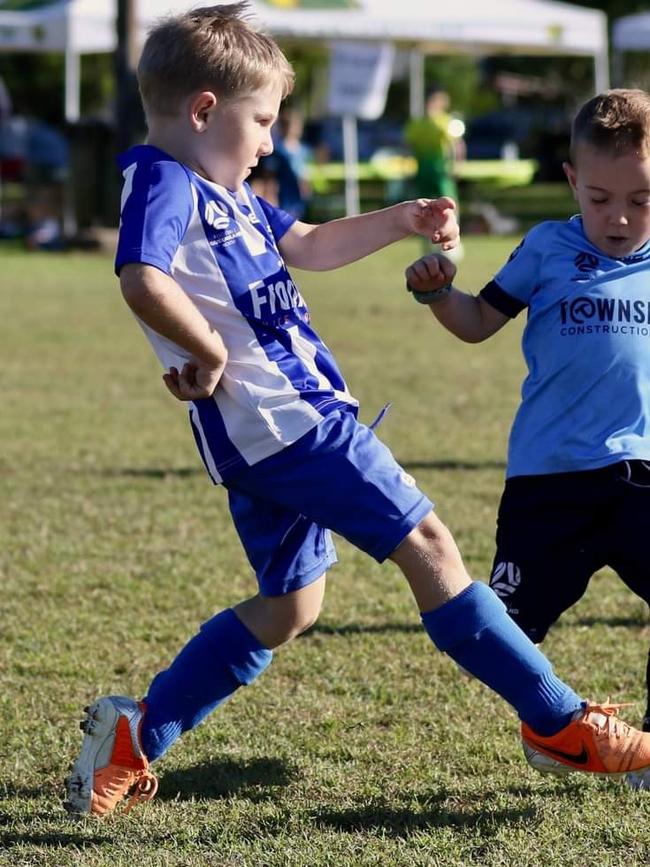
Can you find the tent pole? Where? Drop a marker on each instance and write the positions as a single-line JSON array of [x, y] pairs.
[[72, 85], [124, 68], [601, 72], [72, 112], [416, 83], [601, 63], [351, 157]]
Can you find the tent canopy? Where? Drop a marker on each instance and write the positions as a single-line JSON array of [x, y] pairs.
[[81, 26], [509, 26], [522, 26], [513, 26], [632, 33]]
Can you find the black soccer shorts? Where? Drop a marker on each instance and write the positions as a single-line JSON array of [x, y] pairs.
[[555, 531]]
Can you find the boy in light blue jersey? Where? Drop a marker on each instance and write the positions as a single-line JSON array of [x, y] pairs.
[[577, 492], [203, 264]]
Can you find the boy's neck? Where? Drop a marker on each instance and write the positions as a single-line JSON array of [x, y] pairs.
[[166, 138], [169, 136], [173, 142]]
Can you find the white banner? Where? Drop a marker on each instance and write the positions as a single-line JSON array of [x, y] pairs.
[[360, 73]]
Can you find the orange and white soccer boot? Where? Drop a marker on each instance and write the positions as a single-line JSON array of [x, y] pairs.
[[596, 741], [111, 764]]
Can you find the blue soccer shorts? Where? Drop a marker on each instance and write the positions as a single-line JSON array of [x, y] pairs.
[[338, 477]]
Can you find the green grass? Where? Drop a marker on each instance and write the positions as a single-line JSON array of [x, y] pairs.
[[361, 745]]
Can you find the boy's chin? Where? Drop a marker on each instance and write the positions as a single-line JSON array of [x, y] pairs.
[[617, 248]]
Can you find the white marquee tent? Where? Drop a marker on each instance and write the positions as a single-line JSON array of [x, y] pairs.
[[78, 27]]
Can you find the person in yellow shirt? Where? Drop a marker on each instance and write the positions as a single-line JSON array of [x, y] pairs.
[[436, 146], [436, 143]]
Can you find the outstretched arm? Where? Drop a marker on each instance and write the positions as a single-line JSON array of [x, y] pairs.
[[158, 300], [339, 242], [469, 317]]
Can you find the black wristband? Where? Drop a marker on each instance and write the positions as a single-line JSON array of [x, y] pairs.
[[432, 296]]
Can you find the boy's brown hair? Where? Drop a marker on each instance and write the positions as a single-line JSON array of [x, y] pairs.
[[214, 48], [617, 121]]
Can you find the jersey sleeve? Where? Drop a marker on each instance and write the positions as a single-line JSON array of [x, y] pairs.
[[512, 287], [157, 206], [279, 221]]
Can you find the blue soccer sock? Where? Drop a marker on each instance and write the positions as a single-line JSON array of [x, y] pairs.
[[222, 657], [476, 631]]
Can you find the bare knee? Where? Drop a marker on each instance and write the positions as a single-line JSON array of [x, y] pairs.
[[431, 537], [431, 563], [274, 620], [292, 616]]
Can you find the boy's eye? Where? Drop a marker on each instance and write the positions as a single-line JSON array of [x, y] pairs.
[[598, 201], [641, 203]]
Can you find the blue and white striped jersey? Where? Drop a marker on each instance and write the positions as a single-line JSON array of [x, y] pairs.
[[221, 248]]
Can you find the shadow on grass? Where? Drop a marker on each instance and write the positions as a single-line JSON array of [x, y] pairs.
[[453, 465], [153, 472], [361, 629], [464, 812], [392, 822], [639, 622], [187, 472], [34, 834], [56, 839], [623, 622], [445, 809], [255, 780], [24, 793]]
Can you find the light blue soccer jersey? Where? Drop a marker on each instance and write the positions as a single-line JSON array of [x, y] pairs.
[[281, 380], [586, 399]]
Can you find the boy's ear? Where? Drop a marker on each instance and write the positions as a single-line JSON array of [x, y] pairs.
[[571, 176], [201, 107]]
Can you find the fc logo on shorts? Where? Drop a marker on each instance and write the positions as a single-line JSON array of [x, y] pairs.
[[505, 579]]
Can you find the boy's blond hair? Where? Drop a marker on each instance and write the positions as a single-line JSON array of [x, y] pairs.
[[212, 48], [617, 121]]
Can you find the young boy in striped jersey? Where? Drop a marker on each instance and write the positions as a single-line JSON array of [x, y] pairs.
[[202, 264]]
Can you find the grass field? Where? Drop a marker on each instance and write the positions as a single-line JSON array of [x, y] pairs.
[[362, 745]]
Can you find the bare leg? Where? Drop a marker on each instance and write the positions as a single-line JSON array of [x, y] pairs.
[[431, 563], [465, 619], [274, 620]]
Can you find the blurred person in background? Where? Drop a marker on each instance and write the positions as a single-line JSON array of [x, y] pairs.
[[34, 155], [436, 142], [46, 173], [287, 167]]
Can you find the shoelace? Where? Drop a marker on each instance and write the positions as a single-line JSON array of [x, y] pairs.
[[145, 789], [612, 724]]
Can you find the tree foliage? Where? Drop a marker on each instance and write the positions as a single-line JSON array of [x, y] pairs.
[[615, 8]]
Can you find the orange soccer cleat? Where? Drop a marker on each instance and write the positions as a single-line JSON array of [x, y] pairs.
[[111, 764], [595, 742]]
